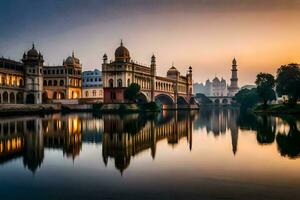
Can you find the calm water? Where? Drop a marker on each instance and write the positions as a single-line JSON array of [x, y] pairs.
[[211, 154]]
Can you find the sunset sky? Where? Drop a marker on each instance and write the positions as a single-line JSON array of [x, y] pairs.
[[206, 34]]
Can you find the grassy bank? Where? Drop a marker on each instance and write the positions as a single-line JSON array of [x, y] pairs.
[[277, 109], [126, 108]]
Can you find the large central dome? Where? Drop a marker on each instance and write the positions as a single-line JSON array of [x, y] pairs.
[[122, 53]]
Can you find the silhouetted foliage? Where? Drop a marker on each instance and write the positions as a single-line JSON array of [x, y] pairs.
[[288, 82], [246, 98], [265, 130], [289, 144], [132, 92], [202, 98], [265, 84]]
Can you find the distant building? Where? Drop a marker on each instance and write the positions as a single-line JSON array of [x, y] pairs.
[[218, 87], [249, 87], [92, 87]]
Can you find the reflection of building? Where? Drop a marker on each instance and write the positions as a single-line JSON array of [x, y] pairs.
[[218, 121], [129, 136], [22, 138], [120, 73], [31, 82], [92, 88], [28, 136]]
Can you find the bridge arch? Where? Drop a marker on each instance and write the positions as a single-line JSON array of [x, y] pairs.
[[164, 99], [224, 101], [217, 101], [182, 101], [142, 98]]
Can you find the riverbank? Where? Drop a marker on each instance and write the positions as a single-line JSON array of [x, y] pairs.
[[126, 108], [277, 109], [28, 109]]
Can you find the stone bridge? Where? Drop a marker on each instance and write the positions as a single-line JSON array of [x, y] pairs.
[[221, 100]]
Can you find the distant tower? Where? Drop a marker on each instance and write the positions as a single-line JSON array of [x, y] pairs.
[[153, 75], [233, 88], [190, 82], [33, 63]]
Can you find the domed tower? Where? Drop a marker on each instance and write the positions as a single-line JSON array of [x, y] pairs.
[[73, 68], [33, 64], [233, 88], [122, 54]]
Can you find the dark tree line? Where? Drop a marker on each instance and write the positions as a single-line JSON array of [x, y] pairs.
[[287, 83]]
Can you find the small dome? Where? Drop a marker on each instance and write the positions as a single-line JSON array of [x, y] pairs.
[[32, 52], [122, 52], [172, 71], [71, 60]]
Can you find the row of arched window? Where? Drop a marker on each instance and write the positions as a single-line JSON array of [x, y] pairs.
[[54, 83], [11, 80]]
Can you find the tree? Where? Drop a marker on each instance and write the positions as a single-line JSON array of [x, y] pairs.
[[288, 82], [246, 98], [131, 93], [265, 84]]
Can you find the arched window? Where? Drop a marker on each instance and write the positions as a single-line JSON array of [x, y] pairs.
[[55, 83], [119, 82], [61, 83], [111, 83], [50, 83], [86, 93], [21, 82], [45, 83], [128, 82]]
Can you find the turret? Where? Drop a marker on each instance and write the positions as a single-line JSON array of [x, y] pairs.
[[153, 65], [104, 59], [33, 64]]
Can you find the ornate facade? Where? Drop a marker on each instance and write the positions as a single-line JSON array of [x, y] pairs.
[[120, 73], [63, 82], [31, 82]]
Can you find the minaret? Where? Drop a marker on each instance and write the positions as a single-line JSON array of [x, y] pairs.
[[233, 88], [153, 75]]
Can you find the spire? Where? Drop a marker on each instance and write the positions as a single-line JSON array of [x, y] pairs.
[[121, 42], [234, 61], [33, 45], [73, 55]]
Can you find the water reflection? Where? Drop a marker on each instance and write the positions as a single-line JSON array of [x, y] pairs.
[[124, 136]]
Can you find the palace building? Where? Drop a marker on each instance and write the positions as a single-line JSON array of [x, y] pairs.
[[120, 73], [63, 82], [29, 81]]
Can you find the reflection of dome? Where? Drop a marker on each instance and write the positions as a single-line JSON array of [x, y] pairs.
[[172, 71], [122, 52]]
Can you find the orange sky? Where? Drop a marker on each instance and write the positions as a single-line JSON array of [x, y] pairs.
[[205, 36]]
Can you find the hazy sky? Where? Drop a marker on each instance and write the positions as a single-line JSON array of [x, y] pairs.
[[206, 34]]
